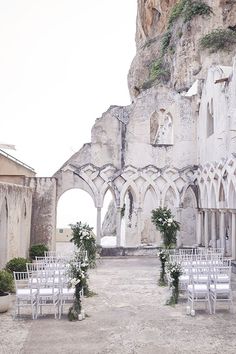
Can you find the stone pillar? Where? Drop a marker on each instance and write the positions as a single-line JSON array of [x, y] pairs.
[[222, 230], [139, 223], [233, 233], [99, 216], [199, 227], [118, 226], [178, 218], [206, 228], [213, 228]]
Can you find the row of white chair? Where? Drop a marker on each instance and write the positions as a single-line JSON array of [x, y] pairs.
[[42, 288], [209, 284]]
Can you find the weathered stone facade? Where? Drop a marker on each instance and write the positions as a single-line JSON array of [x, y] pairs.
[[173, 146]]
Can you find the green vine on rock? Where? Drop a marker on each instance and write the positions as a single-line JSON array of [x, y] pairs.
[[159, 71], [219, 39], [187, 10]]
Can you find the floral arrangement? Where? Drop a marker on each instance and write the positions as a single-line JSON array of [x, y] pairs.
[[84, 239], [174, 271], [77, 274], [164, 221], [163, 256]]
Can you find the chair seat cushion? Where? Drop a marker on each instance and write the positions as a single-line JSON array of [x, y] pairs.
[[48, 292], [66, 291], [220, 287], [26, 292], [198, 288]]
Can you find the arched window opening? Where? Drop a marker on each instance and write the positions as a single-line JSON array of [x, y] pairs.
[[108, 234], [149, 233], [73, 206]]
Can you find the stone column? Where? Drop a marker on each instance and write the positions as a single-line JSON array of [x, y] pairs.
[[118, 226], [139, 223], [206, 228], [178, 218], [199, 227], [222, 230], [233, 233], [213, 228], [99, 217]]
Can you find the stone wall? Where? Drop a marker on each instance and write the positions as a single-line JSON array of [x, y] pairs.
[[43, 222], [15, 221]]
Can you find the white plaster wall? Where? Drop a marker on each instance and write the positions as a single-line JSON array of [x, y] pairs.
[[222, 142]]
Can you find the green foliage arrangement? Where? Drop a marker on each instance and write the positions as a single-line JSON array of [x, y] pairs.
[[6, 282], [78, 274], [164, 221], [163, 256], [37, 250], [84, 239], [17, 265], [174, 270], [219, 39]]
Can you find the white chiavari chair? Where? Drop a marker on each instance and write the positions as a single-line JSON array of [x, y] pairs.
[[220, 289], [26, 295]]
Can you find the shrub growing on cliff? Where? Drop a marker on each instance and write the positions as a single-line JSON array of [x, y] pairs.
[[219, 39], [159, 71], [187, 9]]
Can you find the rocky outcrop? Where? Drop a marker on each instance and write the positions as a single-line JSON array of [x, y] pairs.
[[184, 60]]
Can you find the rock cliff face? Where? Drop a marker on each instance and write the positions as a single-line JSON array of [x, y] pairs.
[[183, 59]]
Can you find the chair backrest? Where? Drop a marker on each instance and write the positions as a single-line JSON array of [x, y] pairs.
[[21, 280]]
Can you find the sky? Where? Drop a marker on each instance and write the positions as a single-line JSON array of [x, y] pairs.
[[62, 64]]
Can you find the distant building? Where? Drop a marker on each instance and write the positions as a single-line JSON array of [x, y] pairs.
[[15, 208]]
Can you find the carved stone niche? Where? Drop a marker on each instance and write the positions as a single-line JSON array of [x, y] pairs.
[[161, 128]]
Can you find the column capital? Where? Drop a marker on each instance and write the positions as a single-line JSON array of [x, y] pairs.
[[223, 211], [233, 211]]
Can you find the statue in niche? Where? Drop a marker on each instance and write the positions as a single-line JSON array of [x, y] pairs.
[[161, 128]]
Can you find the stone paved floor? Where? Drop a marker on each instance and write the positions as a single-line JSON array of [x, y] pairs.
[[127, 316]]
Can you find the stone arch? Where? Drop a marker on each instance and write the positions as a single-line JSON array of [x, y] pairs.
[[171, 199], [149, 185], [129, 186], [104, 192], [149, 234], [231, 196], [222, 196], [212, 200], [73, 181], [3, 233], [204, 197], [188, 218]]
